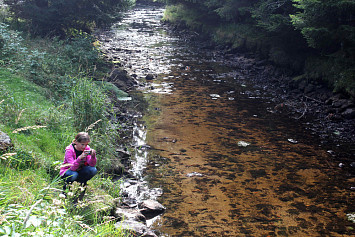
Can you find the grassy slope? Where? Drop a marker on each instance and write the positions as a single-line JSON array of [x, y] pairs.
[[30, 175]]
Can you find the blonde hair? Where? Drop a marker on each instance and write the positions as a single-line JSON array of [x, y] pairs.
[[82, 137]]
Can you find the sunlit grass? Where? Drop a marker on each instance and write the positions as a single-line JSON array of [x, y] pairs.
[[40, 129]]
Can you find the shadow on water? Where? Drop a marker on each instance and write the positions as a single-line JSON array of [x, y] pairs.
[[226, 165]]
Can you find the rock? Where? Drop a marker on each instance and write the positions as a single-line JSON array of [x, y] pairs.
[[149, 77], [292, 141], [135, 228], [151, 208], [349, 113], [332, 99], [129, 202], [121, 79], [129, 214], [243, 143], [194, 174], [5, 141], [348, 104], [339, 103]]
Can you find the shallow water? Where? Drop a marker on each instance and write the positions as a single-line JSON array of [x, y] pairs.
[[227, 166]]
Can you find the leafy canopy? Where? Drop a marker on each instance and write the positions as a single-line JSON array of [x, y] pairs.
[[59, 17]]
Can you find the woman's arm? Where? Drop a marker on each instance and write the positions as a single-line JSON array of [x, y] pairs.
[[91, 159], [70, 158]]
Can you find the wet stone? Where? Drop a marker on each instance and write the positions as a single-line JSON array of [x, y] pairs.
[[194, 174], [151, 208]]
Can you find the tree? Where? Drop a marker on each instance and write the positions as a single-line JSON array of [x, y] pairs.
[[327, 25], [59, 17]]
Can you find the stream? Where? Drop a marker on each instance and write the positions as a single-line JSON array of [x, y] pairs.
[[211, 149]]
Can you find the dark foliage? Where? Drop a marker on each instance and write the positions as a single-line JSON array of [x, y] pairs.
[[288, 32], [60, 17]]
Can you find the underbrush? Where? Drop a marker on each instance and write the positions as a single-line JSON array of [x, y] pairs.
[[47, 95], [335, 70]]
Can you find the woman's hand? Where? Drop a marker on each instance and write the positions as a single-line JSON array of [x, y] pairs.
[[82, 156], [93, 153]]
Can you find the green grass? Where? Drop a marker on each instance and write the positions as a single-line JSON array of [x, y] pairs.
[[36, 110], [30, 175]]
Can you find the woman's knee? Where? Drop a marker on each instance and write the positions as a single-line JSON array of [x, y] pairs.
[[89, 171], [92, 171], [70, 176]]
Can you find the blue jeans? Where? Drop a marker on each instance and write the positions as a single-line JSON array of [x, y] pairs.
[[81, 176]]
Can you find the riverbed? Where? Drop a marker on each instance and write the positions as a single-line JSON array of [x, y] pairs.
[[211, 145]]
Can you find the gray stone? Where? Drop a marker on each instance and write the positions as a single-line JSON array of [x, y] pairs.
[[129, 214], [134, 228], [5, 141], [349, 113], [149, 77], [339, 103], [151, 208]]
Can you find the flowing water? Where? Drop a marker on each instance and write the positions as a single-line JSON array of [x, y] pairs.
[[220, 161]]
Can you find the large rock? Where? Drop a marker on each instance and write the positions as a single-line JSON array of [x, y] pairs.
[[5, 141], [349, 113], [151, 208], [135, 228], [129, 214], [121, 79]]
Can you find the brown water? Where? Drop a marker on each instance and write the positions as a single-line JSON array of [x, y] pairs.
[[250, 179]]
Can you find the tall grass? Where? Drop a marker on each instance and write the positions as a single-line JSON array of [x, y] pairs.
[[88, 103]]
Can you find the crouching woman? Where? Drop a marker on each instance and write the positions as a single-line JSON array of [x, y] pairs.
[[79, 161]]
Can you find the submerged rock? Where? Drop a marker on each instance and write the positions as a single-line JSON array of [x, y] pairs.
[[292, 141], [194, 174], [243, 143]]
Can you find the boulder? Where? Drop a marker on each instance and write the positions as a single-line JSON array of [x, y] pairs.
[[151, 208], [121, 79], [349, 113], [5, 141]]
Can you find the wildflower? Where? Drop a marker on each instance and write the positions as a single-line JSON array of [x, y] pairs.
[[57, 202], [62, 196]]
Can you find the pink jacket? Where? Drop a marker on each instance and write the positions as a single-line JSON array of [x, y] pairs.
[[70, 161]]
